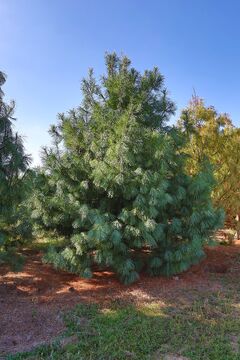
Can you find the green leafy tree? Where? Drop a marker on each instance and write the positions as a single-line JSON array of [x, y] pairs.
[[114, 181], [13, 169], [213, 136]]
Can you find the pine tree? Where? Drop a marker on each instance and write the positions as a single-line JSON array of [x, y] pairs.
[[212, 135], [13, 168], [114, 182]]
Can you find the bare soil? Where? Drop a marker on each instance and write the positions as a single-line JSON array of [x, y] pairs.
[[32, 301]]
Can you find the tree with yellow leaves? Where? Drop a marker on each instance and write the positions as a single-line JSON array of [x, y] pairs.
[[213, 136]]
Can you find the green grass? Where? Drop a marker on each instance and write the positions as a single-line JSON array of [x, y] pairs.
[[197, 325], [43, 243]]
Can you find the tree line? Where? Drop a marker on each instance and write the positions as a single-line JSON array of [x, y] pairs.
[[124, 188]]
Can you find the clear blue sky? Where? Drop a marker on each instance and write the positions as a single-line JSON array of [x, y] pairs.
[[47, 46]]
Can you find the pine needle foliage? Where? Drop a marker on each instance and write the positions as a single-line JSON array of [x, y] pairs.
[[14, 163], [114, 182]]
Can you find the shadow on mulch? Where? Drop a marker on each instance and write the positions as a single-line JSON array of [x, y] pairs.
[[32, 301]]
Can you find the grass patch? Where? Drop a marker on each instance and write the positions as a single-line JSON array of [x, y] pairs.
[[205, 328], [45, 242]]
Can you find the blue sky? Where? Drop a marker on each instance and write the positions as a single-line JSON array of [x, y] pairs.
[[47, 46]]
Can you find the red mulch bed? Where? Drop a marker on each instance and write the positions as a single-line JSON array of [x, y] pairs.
[[32, 301]]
